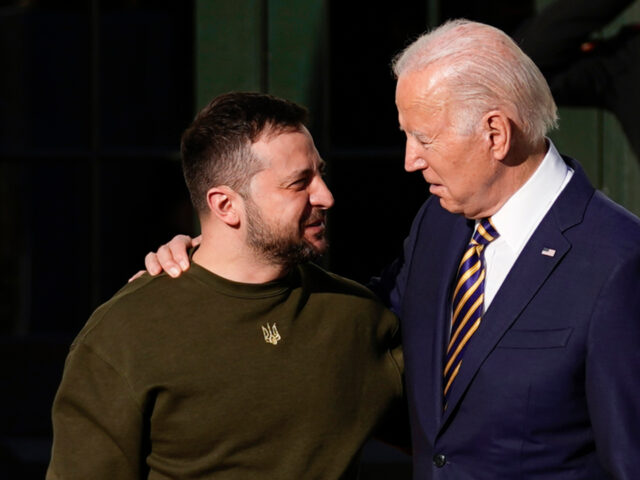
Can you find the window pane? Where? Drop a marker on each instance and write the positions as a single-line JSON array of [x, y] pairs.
[[363, 41], [44, 85], [45, 247], [144, 203], [145, 75]]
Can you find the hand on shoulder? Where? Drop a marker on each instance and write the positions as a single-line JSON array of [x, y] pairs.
[[172, 257]]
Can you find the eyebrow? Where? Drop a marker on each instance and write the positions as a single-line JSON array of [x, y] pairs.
[[305, 172], [413, 133], [421, 136]]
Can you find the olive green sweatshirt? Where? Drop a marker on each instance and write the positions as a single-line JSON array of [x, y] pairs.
[[203, 378]]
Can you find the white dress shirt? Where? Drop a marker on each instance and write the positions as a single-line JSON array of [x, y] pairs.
[[520, 216]]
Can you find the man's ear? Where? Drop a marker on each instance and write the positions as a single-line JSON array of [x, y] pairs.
[[498, 130], [224, 203]]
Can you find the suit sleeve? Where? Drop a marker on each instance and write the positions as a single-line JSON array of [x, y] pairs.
[[391, 284], [97, 424], [613, 371]]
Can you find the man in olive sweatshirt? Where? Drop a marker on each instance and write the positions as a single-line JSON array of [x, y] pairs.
[[255, 363]]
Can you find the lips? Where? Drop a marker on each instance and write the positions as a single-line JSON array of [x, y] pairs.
[[317, 223], [316, 218]]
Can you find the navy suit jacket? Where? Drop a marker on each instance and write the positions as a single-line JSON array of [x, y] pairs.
[[549, 386]]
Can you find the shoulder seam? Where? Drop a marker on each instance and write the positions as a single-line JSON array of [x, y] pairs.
[[130, 389]]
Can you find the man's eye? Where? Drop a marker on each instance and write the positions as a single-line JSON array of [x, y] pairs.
[[424, 142]]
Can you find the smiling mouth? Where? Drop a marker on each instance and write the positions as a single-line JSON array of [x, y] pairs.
[[316, 224], [316, 219]]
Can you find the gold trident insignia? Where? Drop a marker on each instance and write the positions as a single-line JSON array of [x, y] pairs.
[[271, 334]]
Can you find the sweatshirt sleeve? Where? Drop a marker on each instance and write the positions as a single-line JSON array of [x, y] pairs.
[[394, 426], [97, 424]]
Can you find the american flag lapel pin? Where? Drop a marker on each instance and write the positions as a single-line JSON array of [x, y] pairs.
[[549, 252]]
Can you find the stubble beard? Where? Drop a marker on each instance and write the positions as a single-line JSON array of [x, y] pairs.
[[278, 246]]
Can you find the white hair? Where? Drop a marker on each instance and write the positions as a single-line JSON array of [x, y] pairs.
[[483, 69]]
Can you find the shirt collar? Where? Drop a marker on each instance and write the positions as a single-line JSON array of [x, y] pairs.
[[522, 213]]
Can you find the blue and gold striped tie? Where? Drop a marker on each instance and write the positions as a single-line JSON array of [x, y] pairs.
[[467, 300]]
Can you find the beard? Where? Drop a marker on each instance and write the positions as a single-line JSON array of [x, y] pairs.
[[280, 245]]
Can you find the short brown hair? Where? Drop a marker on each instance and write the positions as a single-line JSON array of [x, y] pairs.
[[216, 147]]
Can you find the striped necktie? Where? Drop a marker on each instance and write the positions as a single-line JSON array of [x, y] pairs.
[[467, 300]]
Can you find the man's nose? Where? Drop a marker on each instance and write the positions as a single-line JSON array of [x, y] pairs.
[[321, 196], [413, 157]]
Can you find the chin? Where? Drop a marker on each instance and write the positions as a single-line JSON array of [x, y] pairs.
[[450, 207], [320, 247], [317, 240]]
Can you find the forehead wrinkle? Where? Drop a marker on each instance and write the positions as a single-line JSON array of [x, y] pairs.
[[318, 165], [299, 173], [427, 84], [425, 109]]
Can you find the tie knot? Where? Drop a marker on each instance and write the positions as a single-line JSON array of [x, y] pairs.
[[485, 233]]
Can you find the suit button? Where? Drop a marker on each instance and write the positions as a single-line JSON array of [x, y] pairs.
[[439, 460]]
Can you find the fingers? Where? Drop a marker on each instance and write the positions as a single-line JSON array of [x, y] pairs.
[[137, 275], [171, 257], [152, 264], [164, 260], [175, 255]]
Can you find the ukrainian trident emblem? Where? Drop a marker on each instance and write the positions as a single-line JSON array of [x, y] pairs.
[[271, 334]]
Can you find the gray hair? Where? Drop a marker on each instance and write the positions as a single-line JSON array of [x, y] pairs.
[[483, 69]]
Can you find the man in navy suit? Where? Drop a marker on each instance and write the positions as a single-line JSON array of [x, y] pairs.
[[548, 384], [537, 375]]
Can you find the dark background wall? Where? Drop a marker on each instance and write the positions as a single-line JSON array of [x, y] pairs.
[[93, 98]]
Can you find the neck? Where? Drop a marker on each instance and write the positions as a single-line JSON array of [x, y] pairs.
[[518, 169], [227, 255]]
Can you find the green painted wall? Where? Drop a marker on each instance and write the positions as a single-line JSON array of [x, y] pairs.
[[621, 168], [259, 45], [277, 46], [228, 47], [595, 138]]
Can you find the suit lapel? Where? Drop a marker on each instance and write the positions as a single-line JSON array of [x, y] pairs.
[[460, 239], [526, 277]]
